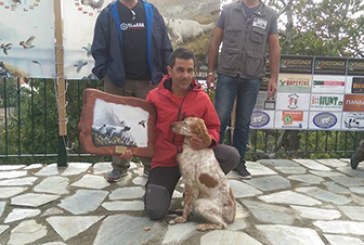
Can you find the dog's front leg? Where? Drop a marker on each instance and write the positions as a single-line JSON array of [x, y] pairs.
[[189, 197]]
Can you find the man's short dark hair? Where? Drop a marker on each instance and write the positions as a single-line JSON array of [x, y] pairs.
[[181, 53]]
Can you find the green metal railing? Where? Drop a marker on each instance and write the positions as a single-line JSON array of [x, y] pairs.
[[29, 128]]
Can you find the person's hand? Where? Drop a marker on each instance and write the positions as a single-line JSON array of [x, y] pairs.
[[272, 87], [210, 80], [197, 143], [127, 155]]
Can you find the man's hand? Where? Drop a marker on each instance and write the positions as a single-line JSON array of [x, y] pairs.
[[272, 88], [197, 143], [210, 81]]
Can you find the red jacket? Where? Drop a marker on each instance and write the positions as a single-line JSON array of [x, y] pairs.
[[196, 103]]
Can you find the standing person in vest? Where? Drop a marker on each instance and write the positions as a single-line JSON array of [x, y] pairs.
[[245, 28], [357, 156], [131, 50]]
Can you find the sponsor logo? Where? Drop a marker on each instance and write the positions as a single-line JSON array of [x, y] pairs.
[[259, 119], [326, 100], [125, 26], [293, 101], [325, 120]]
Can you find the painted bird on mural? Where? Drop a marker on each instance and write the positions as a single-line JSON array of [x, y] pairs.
[[80, 64], [5, 47], [28, 43]]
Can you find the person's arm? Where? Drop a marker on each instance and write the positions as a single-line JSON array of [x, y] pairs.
[[274, 57], [100, 45], [214, 45], [166, 44]]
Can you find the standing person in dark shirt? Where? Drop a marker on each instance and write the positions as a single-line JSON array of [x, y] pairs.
[[131, 50]]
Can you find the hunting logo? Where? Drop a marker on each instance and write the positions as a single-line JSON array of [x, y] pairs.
[[259, 119], [325, 120]]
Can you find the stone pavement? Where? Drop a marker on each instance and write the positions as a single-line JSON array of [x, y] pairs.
[[296, 201]]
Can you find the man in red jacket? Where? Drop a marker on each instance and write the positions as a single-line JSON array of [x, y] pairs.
[[179, 96]]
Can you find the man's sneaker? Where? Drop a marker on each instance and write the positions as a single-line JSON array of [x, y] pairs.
[[242, 171], [116, 175]]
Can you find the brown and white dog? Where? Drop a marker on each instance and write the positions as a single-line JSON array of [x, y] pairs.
[[207, 190]]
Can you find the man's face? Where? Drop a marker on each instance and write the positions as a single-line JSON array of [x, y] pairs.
[[182, 73]]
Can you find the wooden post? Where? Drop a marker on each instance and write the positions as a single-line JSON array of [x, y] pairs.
[[61, 86]]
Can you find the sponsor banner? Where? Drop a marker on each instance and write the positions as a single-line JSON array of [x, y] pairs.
[[263, 103], [291, 119], [353, 121], [326, 102], [324, 65], [79, 19], [354, 102], [328, 84], [296, 64], [355, 67], [294, 82], [27, 39], [325, 120], [293, 101], [262, 119], [354, 85]]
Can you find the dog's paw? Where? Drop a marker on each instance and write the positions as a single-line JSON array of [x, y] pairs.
[[180, 219]]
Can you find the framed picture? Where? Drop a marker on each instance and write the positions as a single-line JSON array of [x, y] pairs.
[[110, 124]]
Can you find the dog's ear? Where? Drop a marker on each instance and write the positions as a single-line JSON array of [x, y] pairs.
[[202, 131]]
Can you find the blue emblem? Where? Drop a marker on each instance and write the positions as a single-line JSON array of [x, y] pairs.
[[325, 120], [259, 119]]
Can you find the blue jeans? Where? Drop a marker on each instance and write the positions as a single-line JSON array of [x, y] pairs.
[[246, 92]]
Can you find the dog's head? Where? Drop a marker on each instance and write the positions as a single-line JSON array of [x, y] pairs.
[[191, 126]]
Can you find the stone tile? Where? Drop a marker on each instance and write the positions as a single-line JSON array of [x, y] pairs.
[[291, 170], [325, 173], [54, 243], [116, 228], [52, 212], [312, 164], [323, 195], [68, 227], [124, 206], [18, 182], [2, 207], [133, 192], [237, 225], [50, 170], [177, 194], [359, 172], [270, 183], [357, 199], [353, 212], [53, 185], [289, 197], [11, 167], [12, 174], [102, 168], [3, 228], [240, 212], [283, 235], [91, 182], [334, 163], [257, 169], [33, 199], [333, 187], [278, 162], [21, 213], [357, 189], [241, 189], [347, 181], [341, 227], [26, 232], [140, 181], [317, 213], [6, 192], [268, 213], [76, 168], [340, 240], [124, 180], [34, 166], [307, 178], [227, 237], [90, 200], [178, 233]]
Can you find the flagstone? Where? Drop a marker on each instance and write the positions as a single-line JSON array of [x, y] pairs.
[[357, 199], [76, 168], [83, 201], [359, 172], [33, 199], [11, 167], [278, 162], [283, 235], [270, 183], [3, 228], [21, 213], [325, 173], [140, 181], [52, 212], [18, 182], [312, 164], [101, 168], [178, 233], [68, 227], [347, 181], [307, 178], [353, 212], [2, 207], [92, 182], [334, 163], [257, 169], [134, 192], [177, 194], [317, 213], [291, 170], [357, 189], [333, 187], [54, 243], [27, 231], [289, 197], [6, 192], [324, 195], [124, 206], [341, 227], [54, 185], [125, 180], [268, 213], [219, 237], [12, 174], [241, 189], [341, 240], [238, 225], [33, 166], [49, 170]]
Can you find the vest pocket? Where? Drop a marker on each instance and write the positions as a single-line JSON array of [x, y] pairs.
[[232, 37], [229, 60], [254, 64]]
